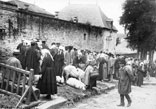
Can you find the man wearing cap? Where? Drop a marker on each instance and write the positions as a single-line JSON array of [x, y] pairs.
[[124, 84], [20, 45], [44, 45]]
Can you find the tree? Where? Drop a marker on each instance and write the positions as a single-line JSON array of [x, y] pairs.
[[139, 20]]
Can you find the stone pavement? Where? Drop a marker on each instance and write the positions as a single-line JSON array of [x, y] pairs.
[[72, 95]]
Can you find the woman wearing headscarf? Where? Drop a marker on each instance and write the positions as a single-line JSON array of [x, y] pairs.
[[102, 66], [47, 82], [140, 73]]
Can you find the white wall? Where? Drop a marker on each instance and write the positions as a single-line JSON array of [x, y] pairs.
[[109, 45]]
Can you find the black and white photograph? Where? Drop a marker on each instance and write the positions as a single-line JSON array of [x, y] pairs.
[[78, 54]]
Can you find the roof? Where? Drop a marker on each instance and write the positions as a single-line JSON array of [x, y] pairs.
[[86, 14], [29, 7]]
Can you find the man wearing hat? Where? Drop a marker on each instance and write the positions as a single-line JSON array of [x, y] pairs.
[[13, 61], [22, 49], [32, 58]]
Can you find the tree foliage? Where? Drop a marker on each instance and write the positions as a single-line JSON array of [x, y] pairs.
[[139, 20]]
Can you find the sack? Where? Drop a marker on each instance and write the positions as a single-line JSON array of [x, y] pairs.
[[60, 79], [76, 83]]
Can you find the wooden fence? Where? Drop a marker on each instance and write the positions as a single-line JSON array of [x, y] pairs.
[[14, 82]]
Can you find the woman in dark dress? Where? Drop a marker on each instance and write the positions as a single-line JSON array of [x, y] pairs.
[[140, 74], [102, 61], [47, 82]]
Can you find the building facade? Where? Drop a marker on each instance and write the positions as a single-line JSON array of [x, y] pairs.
[[19, 21]]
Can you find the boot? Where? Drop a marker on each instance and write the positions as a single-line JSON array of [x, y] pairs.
[[129, 104], [129, 100], [122, 105], [122, 100]]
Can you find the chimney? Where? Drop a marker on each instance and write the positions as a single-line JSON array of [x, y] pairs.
[[56, 14], [26, 6], [75, 19]]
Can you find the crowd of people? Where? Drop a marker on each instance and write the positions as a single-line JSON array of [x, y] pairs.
[[84, 65]]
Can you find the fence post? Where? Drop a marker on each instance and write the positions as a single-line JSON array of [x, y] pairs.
[[31, 77]]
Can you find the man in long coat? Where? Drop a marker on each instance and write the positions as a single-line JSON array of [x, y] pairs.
[[32, 58], [22, 55], [124, 84], [59, 62]]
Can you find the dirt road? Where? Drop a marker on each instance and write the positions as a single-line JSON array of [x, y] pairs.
[[142, 98]]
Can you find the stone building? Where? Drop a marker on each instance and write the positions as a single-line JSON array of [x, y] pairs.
[[85, 28], [101, 34]]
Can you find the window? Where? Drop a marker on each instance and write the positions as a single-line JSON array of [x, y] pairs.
[[96, 37], [2, 34], [84, 36]]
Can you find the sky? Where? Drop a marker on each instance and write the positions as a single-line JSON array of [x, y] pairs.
[[111, 8]]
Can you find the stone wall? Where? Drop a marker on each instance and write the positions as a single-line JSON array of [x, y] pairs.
[[66, 33], [53, 30], [8, 30], [8, 21], [29, 26]]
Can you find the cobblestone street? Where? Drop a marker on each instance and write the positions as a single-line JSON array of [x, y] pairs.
[[142, 98]]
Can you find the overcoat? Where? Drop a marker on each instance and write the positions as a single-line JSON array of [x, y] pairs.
[[13, 61], [22, 56], [59, 63], [140, 74], [125, 79], [102, 71], [32, 60]]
